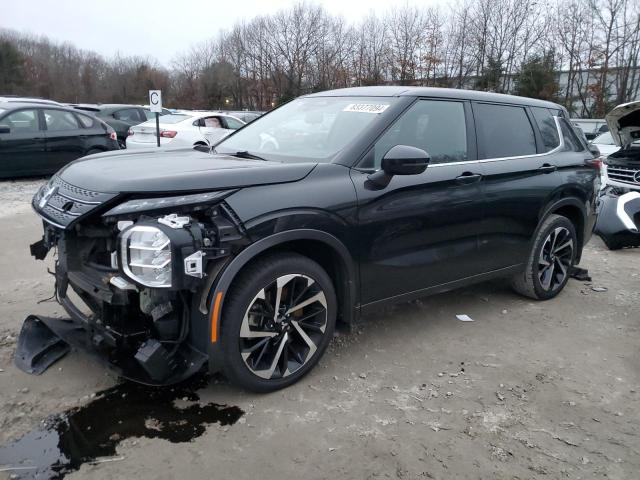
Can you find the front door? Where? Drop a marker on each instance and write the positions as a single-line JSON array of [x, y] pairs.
[[420, 231], [22, 147]]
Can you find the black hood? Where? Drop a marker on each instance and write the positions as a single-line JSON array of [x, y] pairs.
[[178, 170]]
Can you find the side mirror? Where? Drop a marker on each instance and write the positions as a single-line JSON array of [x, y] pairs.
[[405, 160], [400, 160], [5, 129]]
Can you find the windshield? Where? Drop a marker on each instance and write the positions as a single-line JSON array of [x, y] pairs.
[[604, 139], [315, 128]]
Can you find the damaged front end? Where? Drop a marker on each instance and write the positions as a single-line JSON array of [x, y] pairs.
[[134, 278]]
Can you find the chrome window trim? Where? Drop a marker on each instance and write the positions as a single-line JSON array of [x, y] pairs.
[[559, 148]]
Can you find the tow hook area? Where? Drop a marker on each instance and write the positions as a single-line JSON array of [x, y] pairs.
[[38, 346]]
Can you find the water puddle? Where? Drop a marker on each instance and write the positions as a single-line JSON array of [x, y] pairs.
[[84, 434]]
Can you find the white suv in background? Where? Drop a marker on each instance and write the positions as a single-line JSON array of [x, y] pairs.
[[184, 130]]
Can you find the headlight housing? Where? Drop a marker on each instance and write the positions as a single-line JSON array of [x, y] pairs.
[[145, 253]]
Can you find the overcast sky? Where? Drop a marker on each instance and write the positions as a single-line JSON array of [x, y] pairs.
[[160, 28]]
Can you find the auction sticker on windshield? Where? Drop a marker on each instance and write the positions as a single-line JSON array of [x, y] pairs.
[[365, 107]]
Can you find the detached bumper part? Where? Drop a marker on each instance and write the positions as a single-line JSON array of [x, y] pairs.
[[619, 220], [38, 346], [44, 340]]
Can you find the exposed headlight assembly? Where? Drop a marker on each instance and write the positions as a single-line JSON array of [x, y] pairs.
[[146, 256]]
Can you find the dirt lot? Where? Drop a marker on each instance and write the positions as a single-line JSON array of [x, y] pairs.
[[527, 390]]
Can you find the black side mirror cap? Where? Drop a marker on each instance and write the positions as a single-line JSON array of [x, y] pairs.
[[399, 160], [405, 160]]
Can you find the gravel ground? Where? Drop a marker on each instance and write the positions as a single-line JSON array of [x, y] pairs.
[[527, 390]]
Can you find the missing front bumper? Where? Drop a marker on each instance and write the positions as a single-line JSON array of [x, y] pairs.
[[44, 340]]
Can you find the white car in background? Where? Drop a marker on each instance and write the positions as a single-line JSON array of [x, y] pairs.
[[605, 144], [186, 129]]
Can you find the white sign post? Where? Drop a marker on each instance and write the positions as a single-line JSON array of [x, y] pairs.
[[155, 105]]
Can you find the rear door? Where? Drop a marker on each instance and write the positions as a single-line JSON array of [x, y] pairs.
[[64, 138], [22, 148], [420, 231], [520, 167]]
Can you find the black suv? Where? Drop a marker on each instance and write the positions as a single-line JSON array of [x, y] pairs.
[[39, 139], [335, 204], [120, 117]]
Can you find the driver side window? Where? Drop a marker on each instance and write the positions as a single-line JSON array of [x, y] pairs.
[[436, 126]]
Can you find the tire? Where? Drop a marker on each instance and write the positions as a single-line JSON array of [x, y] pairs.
[[552, 255], [263, 353]]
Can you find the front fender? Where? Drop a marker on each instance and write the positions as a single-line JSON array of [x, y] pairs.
[[230, 271]]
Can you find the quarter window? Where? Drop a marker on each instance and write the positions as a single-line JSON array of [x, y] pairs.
[[547, 126], [437, 127], [59, 120], [571, 140], [503, 131], [23, 121]]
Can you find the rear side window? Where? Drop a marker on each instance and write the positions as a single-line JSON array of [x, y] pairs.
[[232, 123], [503, 131], [437, 127], [60, 121], [571, 140], [547, 127], [129, 115], [86, 121]]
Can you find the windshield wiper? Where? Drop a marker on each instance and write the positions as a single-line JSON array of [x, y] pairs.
[[248, 155]]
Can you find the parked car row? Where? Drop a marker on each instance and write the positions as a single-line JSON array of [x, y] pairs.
[[41, 138]]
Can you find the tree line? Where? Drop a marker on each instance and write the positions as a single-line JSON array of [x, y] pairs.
[[580, 53]]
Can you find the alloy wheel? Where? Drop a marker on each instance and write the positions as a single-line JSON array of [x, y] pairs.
[[555, 258], [283, 326]]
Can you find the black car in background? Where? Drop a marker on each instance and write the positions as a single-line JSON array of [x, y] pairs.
[[333, 205], [39, 139], [120, 117]]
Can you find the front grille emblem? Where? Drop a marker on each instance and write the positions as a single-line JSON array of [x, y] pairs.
[[48, 194]]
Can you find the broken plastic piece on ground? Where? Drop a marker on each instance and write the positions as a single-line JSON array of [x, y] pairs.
[[599, 289], [581, 274], [38, 347], [464, 318]]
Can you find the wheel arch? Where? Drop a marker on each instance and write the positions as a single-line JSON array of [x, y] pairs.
[[322, 247], [575, 210]]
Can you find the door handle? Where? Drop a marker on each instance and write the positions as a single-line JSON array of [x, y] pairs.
[[467, 178], [546, 168]]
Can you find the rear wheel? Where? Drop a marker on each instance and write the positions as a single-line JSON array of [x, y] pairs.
[[549, 264], [277, 322]]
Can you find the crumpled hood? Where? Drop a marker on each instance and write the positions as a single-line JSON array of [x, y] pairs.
[[624, 123], [175, 170]]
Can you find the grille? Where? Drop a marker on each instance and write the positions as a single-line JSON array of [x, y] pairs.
[[68, 202], [624, 174]]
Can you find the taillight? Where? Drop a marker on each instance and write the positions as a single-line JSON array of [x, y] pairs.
[[595, 162], [168, 133], [113, 136], [130, 133]]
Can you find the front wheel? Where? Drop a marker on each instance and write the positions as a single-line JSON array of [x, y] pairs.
[[552, 255], [277, 322]]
